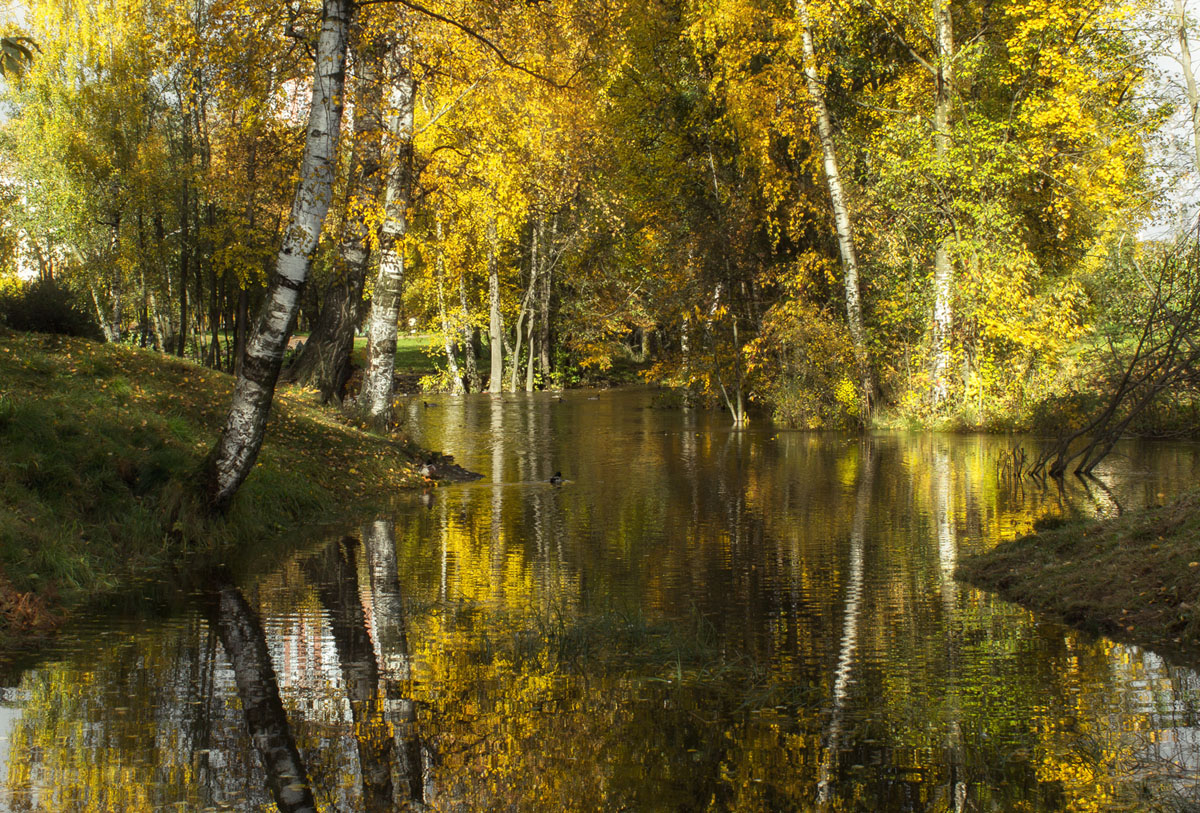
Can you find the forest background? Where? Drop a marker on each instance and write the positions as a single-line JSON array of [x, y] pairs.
[[843, 213]]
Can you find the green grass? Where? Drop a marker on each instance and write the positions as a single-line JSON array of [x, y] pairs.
[[100, 446], [411, 353], [1134, 578]]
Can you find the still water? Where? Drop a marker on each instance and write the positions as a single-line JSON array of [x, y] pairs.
[[696, 619]]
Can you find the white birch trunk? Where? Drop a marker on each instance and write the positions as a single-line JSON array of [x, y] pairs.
[[241, 438], [468, 338], [943, 270], [1193, 93], [439, 262], [837, 196], [379, 380], [496, 326]]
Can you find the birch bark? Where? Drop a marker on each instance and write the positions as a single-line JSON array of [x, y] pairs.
[[241, 438], [1193, 93], [943, 270], [325, 361], [837, 196], [496, 325], [379, 382]]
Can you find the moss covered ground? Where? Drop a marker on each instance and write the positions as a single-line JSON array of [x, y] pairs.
[[1134, 578], [100, 449]]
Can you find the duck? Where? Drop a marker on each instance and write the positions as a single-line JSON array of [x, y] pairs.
[[557, 479], [427, 470]]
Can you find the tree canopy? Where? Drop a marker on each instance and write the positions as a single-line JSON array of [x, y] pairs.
[[622, 187]]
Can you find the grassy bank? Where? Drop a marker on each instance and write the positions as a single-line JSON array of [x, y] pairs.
[[1135, 578], [99, 449]]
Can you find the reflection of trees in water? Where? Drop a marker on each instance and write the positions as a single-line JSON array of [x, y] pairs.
[[382, 713], [245, 644], [368, 632], [854, 597], [667, 640]]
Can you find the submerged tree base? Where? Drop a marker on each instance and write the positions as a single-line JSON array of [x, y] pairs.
[[1135, 578], [100, 449]]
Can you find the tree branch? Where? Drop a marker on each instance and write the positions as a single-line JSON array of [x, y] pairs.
[[470, 32]]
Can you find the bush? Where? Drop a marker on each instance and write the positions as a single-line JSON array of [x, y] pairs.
[[47, 306], [804, 368]]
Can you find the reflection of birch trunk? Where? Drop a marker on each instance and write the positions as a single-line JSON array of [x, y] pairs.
[[854, 588], [245, 643], [336, 579], [388, 627], [498, 458], [947, 539]]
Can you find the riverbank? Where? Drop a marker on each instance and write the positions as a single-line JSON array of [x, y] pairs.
[[99, 446], [1135, 578]]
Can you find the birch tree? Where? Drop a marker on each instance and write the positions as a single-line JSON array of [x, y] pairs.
[[943, 270], [837, 197], [242, 435], [375, 399], [1189, 76], [325, 360]]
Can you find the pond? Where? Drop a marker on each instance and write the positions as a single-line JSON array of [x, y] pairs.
[[696, 618]]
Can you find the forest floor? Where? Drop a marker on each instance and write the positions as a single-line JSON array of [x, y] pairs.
[[1134, 578], [100, 449]]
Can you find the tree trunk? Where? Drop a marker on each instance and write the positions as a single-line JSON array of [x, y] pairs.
[[496, 331], [544, 305], [470, 340], [379, 380], [324, 363], [439, 265], [242, 436], [943, 270], [1193, 93], [184, 241], [841, 212]]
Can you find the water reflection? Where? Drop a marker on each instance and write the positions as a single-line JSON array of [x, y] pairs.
[[245, 644], [698, 619]]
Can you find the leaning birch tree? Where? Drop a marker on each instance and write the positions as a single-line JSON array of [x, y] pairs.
[[241, 438], [837, 196], [379, 384]]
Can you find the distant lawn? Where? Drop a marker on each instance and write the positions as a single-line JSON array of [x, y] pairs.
[[411, 353]]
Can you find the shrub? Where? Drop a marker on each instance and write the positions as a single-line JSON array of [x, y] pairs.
[[47, 306]]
